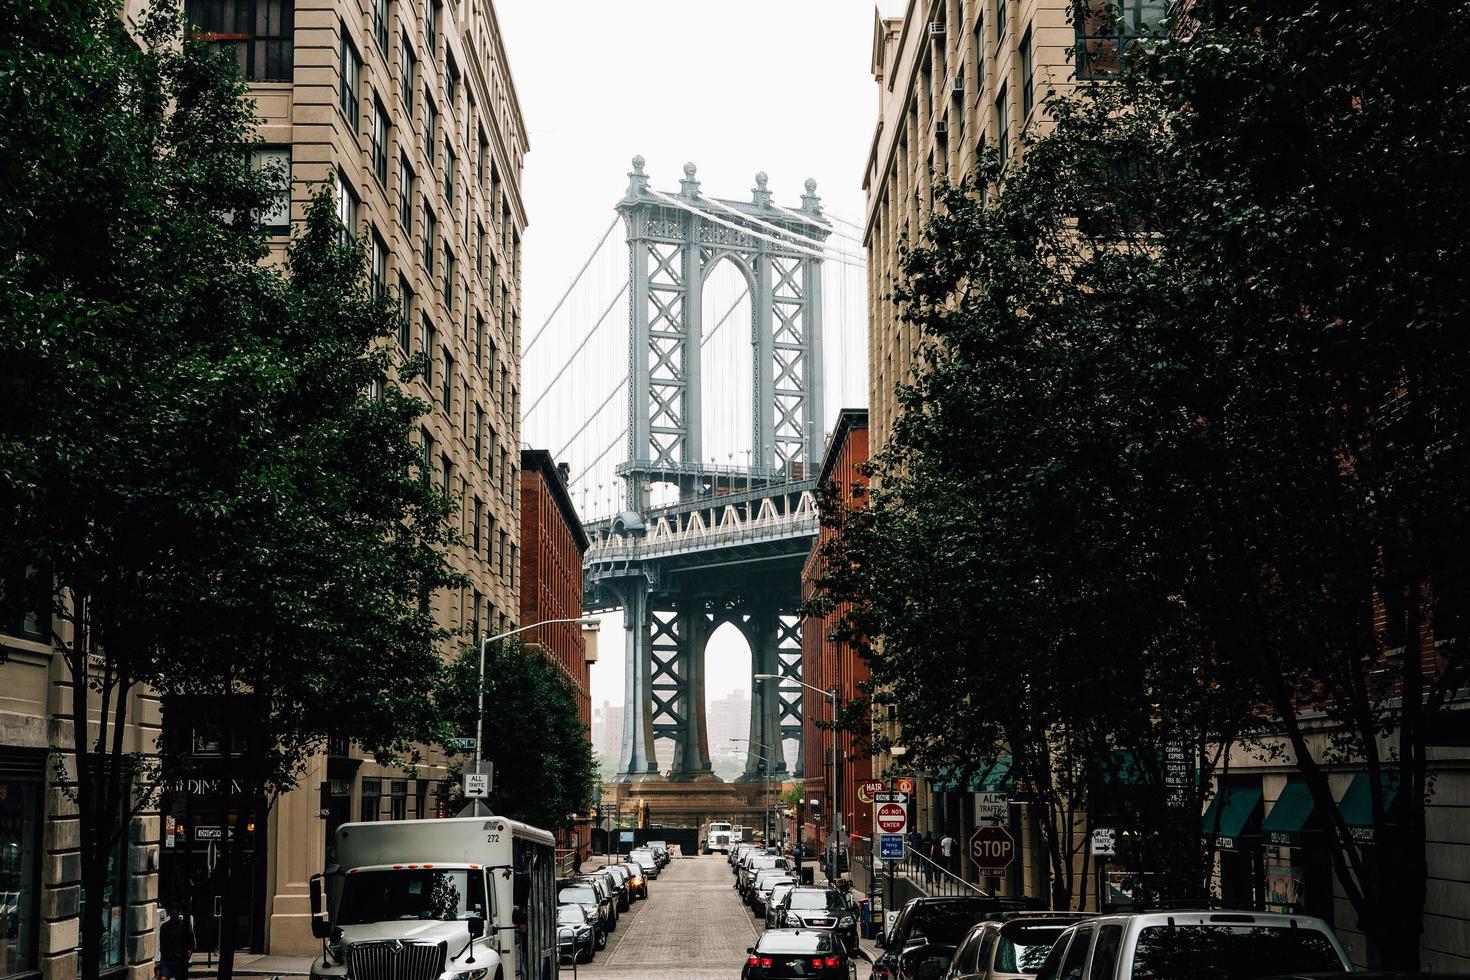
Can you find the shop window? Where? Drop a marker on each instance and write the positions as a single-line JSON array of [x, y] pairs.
[[372, 798], [1105, 29], [20, 861], [257, 34]]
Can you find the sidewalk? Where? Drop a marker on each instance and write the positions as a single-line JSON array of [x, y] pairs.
[[252, 965]]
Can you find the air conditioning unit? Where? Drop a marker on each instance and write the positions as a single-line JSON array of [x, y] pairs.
[[936, 28], [941, 129]]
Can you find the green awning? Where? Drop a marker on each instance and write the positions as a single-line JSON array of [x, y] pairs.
[[945, 780], [991, 777], [1356, 803], [1234, 807], [1289, 814]]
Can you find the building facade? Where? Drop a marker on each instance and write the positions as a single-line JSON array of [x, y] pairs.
[[831, 664], [407, 110]]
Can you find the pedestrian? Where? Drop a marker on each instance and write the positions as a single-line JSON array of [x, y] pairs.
[[929, 849], [915, 840], [576, 860], [949, 851], [175, 944]]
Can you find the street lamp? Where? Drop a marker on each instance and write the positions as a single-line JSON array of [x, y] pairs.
[[833, 824], [765, 779], [587, 622]]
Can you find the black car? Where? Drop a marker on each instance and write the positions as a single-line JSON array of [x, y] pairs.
[[928, 931], [587, 893], [576, 933], [819, 908], [796, 953], [617, 883]]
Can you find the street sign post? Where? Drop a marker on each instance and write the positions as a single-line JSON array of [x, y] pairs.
[[890, 847], [883, 796], [992, 849], [461, 743], [904, 784], [891, 818], [476, 785], [1104, 842]]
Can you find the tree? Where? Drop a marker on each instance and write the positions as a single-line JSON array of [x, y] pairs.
[[206, 459], [533, 735], [1195, 363]]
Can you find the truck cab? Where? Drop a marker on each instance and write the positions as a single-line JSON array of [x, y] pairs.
[[462, 899], [717, 838]]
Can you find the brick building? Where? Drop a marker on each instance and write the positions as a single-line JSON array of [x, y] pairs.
[[827, 663]]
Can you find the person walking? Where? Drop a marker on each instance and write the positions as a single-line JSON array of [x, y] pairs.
[[949, 851], [577, 860], [175, 943], [930, 849]]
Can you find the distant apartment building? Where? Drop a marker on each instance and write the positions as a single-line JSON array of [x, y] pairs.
[[726, 719], [832, 777], [607, 731]]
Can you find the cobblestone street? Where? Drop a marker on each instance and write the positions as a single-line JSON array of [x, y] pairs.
[[692, 926]]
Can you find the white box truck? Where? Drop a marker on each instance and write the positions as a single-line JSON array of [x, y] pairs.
[[717, 838], [469, 898]]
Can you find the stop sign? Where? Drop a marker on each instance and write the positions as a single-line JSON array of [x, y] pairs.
[[992, 849], [892, 817]]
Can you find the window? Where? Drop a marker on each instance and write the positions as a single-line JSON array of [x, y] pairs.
[[346, 209], [479, 246], [372, 798], [351, 78], [407, 68], [479, 599], [276, 160], [114, 900], [448, 175], [500, 557], [479, 434], [1076, 957], [20, 877], [446, 473], [405, 311], [446, 397], [431, 225], [1105, 28], [377, 388], [431, 130], [1105, 954], [448, 277], [490, 541], [380, 142], [380, 24], [1027, 70], [398, 799], [257, 34], [479, 337], [25, 607], [430, 340], [1000, 21], [431, 27], [479, 512], [480, 160], [451, 79], [426, 465], [405, 194], [379, 266], [515, 563], [1002, 126]]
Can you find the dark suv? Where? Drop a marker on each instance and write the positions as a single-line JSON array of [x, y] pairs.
[[928, 931]]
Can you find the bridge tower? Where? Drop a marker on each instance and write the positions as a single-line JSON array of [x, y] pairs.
[[731, 546]]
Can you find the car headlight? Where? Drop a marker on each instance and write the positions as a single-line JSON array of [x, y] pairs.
[[465, 975], [847, 921]]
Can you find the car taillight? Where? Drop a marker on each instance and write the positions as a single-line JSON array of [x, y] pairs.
[[765, 962], [816, 962], [831, 962], [753, 961]]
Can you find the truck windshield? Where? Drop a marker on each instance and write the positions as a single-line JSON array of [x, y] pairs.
[[411, 893]]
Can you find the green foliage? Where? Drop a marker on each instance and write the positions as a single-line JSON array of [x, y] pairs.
[[544, 769], [1192, 410]]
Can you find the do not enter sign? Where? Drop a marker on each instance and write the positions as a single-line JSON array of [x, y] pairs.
[[992, 849], [892, 818]]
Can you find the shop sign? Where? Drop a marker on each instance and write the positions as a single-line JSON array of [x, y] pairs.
[[204, 787], [170, 827], [339, 787], [1282, 838], [867, 789], [1178, 773], [1104, 842], [1283, 886]]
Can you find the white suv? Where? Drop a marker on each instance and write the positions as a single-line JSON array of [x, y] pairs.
[[1194, 945]]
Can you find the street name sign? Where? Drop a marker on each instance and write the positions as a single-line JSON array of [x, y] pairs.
[[461, 743], [890, 847], [891, 818], [886, 797], [992, 849], [994, 807]]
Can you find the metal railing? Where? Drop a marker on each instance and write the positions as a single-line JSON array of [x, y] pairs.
[[912, 876]]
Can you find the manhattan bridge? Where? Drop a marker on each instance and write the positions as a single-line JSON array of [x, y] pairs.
[[707, 515]]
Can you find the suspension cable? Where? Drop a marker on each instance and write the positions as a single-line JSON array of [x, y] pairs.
[[575, 279], [589, 467], [573, 356], [806, 239], [791, 246]]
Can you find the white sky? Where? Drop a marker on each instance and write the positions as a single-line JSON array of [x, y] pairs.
[[781, 86]]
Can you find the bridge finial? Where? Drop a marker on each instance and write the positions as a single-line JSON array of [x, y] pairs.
[[689, 186], [637, 179], [760, 196], [810, 202]]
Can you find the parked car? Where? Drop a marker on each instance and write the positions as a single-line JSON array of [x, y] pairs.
[[1194, 945], [618, 885], [637, 884], [760, 892], [586, 893], [760, 862], [576, 933], [660, 850], [1012, 947], [606, 894], [644, 858], [928, 931], [793, 953], [773, 904], [736, 853], [594, 915], [819, 908]]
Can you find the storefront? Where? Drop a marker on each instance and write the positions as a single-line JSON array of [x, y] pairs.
[[22, 783], [199, 827], [1298, 863], [1234, 819]]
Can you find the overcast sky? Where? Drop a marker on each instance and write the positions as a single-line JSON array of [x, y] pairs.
[[734, 86]]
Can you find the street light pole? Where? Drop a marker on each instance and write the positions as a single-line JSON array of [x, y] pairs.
[[835, 797], [765, 780], [587, 622]]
